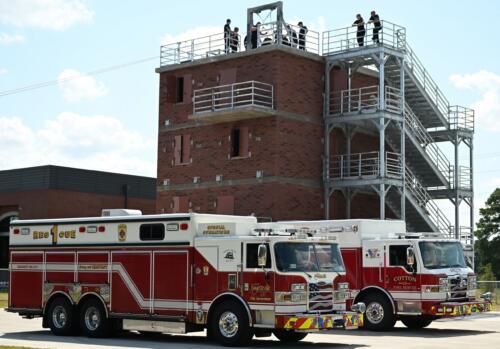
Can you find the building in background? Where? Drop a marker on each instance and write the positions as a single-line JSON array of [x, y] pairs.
[[302, 125], [61, 192]]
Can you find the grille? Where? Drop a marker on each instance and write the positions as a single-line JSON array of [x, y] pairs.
[[458, 287], [320, 297]]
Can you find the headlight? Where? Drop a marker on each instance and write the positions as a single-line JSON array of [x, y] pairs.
[[290, 297], [472, 282], [343, 286], [298, 287], [443, 285]]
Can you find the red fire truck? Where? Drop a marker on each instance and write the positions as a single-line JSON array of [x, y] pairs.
[[177, 273], [415, 278]]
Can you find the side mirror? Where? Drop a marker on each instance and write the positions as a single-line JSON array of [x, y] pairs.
[[262, 255], [410, 256]]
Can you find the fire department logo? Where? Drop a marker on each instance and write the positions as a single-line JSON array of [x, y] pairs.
[[122, 232], [229, 255]]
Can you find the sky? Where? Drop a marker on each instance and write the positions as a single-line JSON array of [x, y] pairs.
[[108, 121]]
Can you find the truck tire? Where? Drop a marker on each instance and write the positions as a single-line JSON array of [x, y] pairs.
[[416, 322], [379, 315], [230, 325], [289, 336], [61, 317], [93, 320]]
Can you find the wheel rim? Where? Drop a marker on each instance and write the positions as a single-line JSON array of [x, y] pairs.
[[92, 318], [375, 312], [228, 324], [59, 316]]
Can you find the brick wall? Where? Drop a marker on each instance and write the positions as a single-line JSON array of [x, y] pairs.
[[38, 204]]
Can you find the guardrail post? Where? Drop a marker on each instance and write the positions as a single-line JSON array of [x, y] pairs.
[[341, 166], [232, 97], [359, 166], [192, 50], [213, 99]]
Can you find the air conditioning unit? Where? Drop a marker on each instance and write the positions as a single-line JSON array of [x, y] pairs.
[[113, 212], [166, 181], [218, 178], [167, 122], [196, 180], [259, 174]]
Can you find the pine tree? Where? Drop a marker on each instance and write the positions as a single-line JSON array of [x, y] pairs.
[[487, 245]]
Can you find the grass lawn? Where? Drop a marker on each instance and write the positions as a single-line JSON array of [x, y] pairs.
[[3, 303]]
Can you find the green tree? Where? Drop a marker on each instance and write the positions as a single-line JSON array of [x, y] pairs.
[[487, 245], [486, 274]]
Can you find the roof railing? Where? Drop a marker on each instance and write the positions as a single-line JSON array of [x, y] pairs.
[[232, 96], [350, 38], [223, 44], [198, 48]]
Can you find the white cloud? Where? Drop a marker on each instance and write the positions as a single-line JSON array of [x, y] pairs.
[[487, 84], [198, 32], [77, 86], [45, 14], [92, 142], [6, 38]]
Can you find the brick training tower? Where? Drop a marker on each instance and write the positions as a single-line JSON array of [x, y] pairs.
[[291, 124]]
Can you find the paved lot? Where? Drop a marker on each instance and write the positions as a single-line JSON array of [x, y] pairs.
[[481, 332]]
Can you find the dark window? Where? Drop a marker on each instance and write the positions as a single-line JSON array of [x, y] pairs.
[[397, 256], [149, 232], [235, 143], [252, 250], [179, 92]]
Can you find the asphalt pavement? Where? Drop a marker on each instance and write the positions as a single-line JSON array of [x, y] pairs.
[[481, 332]]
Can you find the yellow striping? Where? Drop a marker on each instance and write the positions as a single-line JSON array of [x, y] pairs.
[[306, 325]]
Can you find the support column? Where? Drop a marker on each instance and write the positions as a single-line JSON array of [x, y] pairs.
[[381, 126], [326, 160], [471, 212], [402, 140], [456, 184]]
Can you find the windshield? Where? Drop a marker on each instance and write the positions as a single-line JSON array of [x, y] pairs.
[[437, 255], [308, 257]]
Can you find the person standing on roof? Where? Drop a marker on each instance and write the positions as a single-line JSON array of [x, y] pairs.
[[302, 36], [360, 33], [292, 34], [254, 34], [377, 26], [227, 35], [235, 39]]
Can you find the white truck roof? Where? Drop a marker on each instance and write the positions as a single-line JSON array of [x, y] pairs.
[[126, 229], [351, 232]]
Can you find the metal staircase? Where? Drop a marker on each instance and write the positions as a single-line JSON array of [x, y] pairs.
[[422, 214], [427, 118], [428, 162]]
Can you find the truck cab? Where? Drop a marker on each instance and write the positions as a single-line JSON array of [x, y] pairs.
[[412, 277]]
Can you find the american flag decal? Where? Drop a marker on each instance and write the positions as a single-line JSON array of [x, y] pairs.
[[320, 296]]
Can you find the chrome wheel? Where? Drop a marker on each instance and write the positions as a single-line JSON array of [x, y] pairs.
[[92, 318], [228, 324], [59, 316], [375, 312]]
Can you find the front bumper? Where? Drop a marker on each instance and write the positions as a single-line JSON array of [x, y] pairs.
[[317, 322], [451, 309]]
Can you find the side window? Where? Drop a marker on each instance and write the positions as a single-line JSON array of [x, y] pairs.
[[239, 142], [179, 89], [397, 255], [152, 232], [251, 261]]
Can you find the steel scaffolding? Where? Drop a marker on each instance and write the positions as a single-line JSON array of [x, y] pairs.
[[410, 115]]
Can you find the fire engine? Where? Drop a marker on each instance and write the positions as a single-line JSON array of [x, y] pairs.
[[415, 278], [177, 273]]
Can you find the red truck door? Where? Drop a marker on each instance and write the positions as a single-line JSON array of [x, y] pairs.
[[258, 283], [171, 282]]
